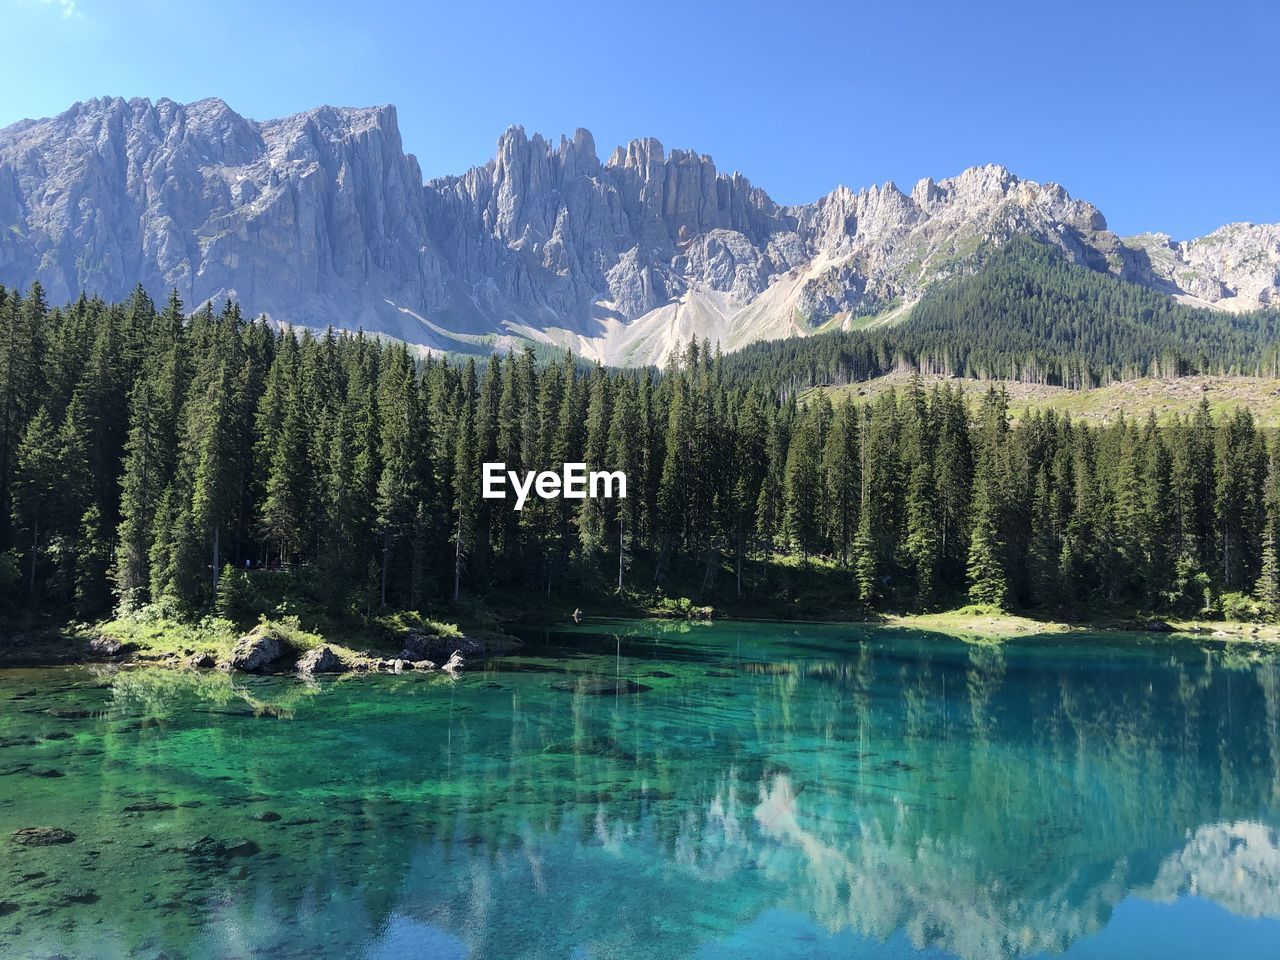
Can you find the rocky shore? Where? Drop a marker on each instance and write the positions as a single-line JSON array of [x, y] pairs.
[[270, 648]]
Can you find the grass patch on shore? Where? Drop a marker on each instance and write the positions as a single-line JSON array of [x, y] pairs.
[[154, 636], [970, 621]]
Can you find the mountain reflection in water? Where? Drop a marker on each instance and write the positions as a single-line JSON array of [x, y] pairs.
[[773, 791]]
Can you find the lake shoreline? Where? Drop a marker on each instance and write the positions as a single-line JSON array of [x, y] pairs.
[[686, 772], [173, 644]]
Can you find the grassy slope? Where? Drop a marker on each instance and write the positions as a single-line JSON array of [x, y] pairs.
[[1136, 398]]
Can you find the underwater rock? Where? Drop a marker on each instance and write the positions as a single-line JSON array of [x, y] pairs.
[[7, 907], [267, 816], [597, 746], [148, 806], [207, 848], [66, 713], [42, 836], [599, 686], [321, 659], [242, 848], [49, 773], [78, 895]]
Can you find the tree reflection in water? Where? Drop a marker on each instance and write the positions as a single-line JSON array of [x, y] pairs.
[[897, 792]]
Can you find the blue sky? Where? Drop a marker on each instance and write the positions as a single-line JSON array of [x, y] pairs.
[[1166, 115]]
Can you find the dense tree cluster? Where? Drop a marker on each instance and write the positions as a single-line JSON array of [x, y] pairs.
[[144, 454], [1027, 313]]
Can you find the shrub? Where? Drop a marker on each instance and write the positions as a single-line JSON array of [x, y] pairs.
[[234, 600], [1238, 606], [681, 607]]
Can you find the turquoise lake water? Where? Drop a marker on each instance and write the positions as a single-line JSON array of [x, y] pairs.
[[634, 789]]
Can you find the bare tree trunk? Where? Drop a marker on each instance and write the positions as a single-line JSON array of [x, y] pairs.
[[217, 542], [384, 567], [457, 562], [35, 552], [739, 557]]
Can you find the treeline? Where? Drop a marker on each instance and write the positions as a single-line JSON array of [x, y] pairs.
[[143, 455], [1028, 314]]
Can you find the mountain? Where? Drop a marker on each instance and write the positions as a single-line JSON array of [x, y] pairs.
[[322, 219]]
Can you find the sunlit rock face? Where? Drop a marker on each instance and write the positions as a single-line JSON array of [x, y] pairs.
[[322, 219], [315, 219]]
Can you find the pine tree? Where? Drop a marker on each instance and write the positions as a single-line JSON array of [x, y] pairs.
[[286, 507], [35, 488], [212, 453], [840, 479], [988, 584], [465, 474], [802, 482], [1267, 589], [922, 546], [1046, 545], [621, 454], [397, 494], [231, 601], [145, 467], [593, 516]]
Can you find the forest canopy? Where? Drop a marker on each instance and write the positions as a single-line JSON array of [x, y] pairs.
[[144, 454], [1026, 313]]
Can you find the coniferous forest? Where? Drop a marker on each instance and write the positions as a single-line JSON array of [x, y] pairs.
[[1026, 313], [148, 457]]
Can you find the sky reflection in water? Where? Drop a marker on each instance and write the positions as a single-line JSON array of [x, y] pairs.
[[773, 791]]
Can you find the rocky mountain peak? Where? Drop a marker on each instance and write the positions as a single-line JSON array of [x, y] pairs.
[[322, 218]]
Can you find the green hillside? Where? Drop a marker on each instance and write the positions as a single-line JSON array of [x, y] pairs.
[[1026, 313]]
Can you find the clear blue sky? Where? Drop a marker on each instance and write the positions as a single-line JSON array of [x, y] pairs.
[[1164, 114]]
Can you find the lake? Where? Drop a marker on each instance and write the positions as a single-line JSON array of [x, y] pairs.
[[639, 789]]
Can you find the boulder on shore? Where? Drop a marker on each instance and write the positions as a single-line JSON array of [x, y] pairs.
[[320, 659], [453, 665], [257, 650], [104, 646], [437, 648]]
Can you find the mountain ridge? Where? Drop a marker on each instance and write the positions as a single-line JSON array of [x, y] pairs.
[[323, 219]]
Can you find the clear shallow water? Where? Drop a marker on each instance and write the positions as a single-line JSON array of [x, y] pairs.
[[776, 791]]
